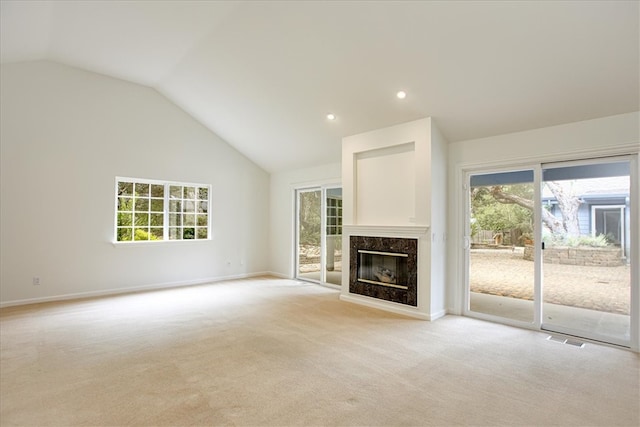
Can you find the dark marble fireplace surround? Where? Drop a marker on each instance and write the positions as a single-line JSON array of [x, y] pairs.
[[406, 246]]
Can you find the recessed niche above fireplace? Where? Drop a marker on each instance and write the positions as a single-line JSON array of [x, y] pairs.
[[384, 268]]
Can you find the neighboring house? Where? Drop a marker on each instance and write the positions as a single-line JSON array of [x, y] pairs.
[[604, 209]]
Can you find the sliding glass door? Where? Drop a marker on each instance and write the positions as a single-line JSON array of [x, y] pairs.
[[553, 246], [586, 211], [500, 245], [319, 235]]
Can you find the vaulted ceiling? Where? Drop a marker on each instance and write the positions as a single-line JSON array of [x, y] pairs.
[[264, 75]]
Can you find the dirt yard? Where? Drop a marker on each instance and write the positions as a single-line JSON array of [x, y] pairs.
[[504, 272]]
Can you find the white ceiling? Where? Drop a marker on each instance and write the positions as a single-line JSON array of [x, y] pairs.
[[263, 75]]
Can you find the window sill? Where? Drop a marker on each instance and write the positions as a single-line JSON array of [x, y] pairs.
[[157, 242]]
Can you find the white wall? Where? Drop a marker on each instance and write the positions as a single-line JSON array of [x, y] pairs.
[[581, 140], [439, 219], [282, 211], [65, 135]]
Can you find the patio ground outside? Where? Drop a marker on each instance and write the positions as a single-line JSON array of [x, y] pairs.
[[504, 272]]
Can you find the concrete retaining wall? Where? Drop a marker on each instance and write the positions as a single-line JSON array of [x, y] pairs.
[[605, 257]]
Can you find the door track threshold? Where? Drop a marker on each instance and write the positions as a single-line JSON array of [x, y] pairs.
[[563, 340]]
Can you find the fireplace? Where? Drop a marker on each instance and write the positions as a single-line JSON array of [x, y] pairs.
[[384, 268], [394, 182]]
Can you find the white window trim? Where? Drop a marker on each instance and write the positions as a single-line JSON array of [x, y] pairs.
[[165, 227]]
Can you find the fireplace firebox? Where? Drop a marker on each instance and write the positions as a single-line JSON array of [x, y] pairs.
[[384, 268]]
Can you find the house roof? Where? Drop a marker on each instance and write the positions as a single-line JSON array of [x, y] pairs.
[[609, 187], [264, 75]]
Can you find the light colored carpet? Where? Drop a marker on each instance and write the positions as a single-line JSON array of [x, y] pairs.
[[280, 352]]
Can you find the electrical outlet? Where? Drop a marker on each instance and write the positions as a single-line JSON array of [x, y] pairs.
[[36, 281]]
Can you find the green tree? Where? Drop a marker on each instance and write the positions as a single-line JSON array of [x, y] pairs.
[[564, 193], [491, 213], [310, 210]]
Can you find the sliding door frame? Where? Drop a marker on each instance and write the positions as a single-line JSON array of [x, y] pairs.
[[537, 166], [537, 306], [634, 315], [323, 231]]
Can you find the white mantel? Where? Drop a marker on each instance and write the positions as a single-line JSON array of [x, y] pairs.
[[405, 231], [394, 185]]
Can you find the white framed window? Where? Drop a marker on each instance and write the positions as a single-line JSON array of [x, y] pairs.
[[150, 210], [334, 216], [609, 220]]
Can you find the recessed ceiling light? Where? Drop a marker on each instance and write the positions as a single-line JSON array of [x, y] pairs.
[[401, 94], [331, 116]]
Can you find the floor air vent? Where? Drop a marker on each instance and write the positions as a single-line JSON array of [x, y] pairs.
[[563, 340]]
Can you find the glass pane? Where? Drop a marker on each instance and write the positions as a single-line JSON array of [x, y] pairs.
[[175, 191], [189, 192], [142, 219], [201, 233], [157, 220], [157, 205], [189, 219], [501, 264], [157, 190], [175, 206], [609, 223], [141, 234], [175, 219], [142, 205], [124, 234], [203, 207], [202, 220], [142, 189], [125, 204], [156, 234], [309, 220], [333, 242], [203, 193], [125, 188], [124, 219], [189, 206], [188, 233], [586, 263], [175, 233]]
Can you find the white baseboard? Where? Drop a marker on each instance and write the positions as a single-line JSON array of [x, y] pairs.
[[278, 275], [392, 307], [438, 314], [118, 291]]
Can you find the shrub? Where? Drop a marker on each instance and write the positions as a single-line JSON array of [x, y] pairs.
[[143, 235], [598, 241]]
